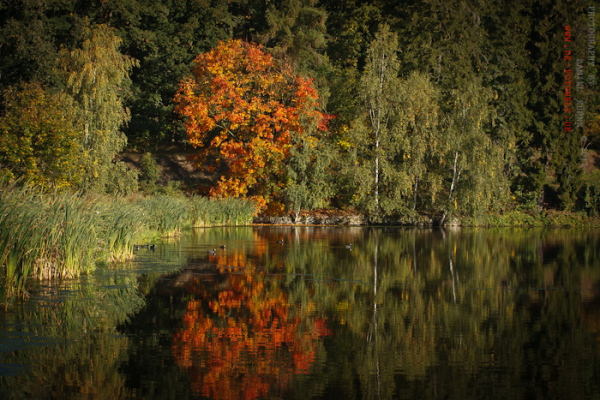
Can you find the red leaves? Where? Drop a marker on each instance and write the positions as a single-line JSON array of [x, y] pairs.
[[244, 108], [245, 339]]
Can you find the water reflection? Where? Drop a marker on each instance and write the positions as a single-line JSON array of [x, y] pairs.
[[290, 312], [446, 313], [242, 338], [64, 343]]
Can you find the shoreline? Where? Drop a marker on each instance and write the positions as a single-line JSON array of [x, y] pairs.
[[522, 218]]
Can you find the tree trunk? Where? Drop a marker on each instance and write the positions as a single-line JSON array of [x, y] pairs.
[[415, 193], [455, 178], [376, 176]]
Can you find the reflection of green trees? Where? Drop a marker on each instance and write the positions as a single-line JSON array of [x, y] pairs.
[[467, 309], [70, 344], [416, 313]]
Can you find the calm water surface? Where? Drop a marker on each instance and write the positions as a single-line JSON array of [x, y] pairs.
[[402, 313]]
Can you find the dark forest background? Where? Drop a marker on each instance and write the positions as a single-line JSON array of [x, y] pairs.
[[480, 118]]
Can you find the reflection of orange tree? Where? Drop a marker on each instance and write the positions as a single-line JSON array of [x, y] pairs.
[[243, 341]]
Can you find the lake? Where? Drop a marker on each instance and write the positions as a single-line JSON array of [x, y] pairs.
[[319, 313]]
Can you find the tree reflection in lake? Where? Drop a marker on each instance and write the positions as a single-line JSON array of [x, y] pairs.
[[242, 338], [65, 339], [401, 313]]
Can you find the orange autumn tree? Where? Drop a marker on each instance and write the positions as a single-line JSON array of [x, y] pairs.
[[244, 112]]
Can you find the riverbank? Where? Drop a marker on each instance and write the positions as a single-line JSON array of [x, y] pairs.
[[515, 218], [63, 235]]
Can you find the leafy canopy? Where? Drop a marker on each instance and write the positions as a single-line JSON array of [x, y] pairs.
[[39, 137], [97, 76], [244, 112]]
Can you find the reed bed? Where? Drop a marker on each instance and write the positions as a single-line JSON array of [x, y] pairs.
[[123, 223], [221, 212], [165, 214], [44, 236], [63, 235]]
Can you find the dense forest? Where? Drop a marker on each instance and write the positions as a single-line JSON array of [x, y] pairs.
[[390, 108]]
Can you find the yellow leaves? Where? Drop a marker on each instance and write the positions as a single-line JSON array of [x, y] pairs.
[[243, 108], [344, 144], [39, 141]]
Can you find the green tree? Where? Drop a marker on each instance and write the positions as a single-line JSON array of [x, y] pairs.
[[309, 184], [31, 32], [39, 138], [557, 146], [420, 117], [97, 77], [352, 28], [150, 173], [297, 33], [478, 126], [507, 25], [379, 90], [165, 36], [473, 161]]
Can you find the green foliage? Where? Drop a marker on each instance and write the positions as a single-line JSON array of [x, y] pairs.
[[62, 234], [297, 32], [30, 34], [39, 139], [165, 214], [380, 92], [421, 126], [474, 161], [352, 27], [165, 37], [448, 53], [122, 223], [309, 184], [121, 180], [590, 193], [97, 75], [514, 218], [149, 174]]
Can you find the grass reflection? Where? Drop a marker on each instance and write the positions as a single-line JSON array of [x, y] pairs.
[[68, 343], [404, 313]]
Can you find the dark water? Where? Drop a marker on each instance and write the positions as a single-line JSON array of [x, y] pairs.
[[404, 313]]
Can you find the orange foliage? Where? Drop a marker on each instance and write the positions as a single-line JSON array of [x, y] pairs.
[[242, 111], [243, 340]]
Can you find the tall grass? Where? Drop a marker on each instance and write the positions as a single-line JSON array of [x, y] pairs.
[[61, 235], [122, 223], [44, 236], [165, 214], [221, 212]]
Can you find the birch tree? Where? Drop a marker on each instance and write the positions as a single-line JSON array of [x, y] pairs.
[[420, 117], [380, 93], [97, 75], [473, 161]]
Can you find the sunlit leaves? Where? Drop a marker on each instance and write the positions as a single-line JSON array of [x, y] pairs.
[[96, 75], [379, 89], [39, 139], [243, 109]]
